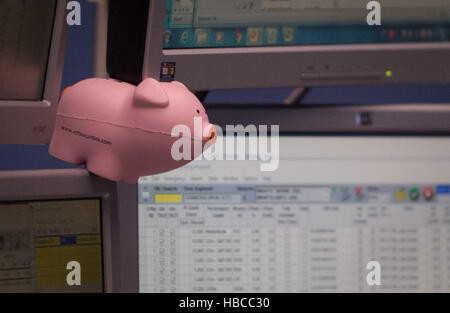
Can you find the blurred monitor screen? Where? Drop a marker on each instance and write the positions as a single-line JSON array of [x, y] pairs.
[[333, 205], [39, 238], [243, 23], [25, 39]]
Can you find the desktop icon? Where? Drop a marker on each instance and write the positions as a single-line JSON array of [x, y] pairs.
[[414, 193], [428, 193], [358, 193], [202, 36], [345, 194], [184, 38], [406, 34], [219, 37], [425, 33], [238, 36], [271, 35], [254, 35], [167, 37], [400, 194], [391, 34], [288, 33]]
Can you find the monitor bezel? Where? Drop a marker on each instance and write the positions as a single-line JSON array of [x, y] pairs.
[[31, 122], [403, 119], [32, 185], [353, 64]]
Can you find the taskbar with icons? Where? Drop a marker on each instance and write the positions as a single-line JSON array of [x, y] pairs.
[[181, 38]]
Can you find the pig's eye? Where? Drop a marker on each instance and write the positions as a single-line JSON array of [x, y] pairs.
[[198, 111]]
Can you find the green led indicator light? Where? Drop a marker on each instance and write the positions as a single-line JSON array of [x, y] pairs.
[[388, 73]]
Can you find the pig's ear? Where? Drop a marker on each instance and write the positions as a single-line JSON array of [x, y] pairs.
[[150, 93], [179, 84]]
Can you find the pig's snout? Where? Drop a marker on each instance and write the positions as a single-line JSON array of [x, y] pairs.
[[209, 133]]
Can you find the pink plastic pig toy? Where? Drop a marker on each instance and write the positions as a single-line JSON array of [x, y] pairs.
[[122, 131]]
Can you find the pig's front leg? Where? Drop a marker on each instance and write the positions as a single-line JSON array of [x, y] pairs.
[[107, 166], [131, 179]]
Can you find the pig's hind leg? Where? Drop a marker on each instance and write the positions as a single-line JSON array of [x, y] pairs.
[[62, 149]]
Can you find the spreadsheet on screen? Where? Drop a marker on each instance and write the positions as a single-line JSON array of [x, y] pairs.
[[333, 205]]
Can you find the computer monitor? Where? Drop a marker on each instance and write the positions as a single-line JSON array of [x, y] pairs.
[[334, 205], [52, 217], [31, 61], [219, 44]]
